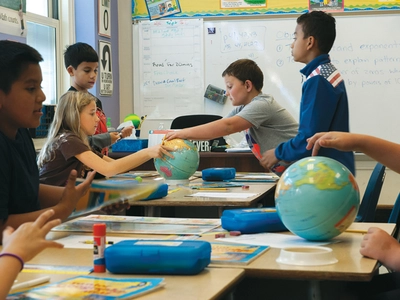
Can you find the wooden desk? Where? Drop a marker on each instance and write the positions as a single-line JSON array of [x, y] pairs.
[[211, 283], [242, 162], [180, 198], [266, 276]]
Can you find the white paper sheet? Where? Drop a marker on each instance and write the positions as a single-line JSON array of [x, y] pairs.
[[275, 240]]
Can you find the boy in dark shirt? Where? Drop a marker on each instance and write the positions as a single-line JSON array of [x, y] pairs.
[[22, 198]]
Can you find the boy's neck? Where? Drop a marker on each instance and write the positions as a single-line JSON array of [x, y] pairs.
[[79, 88]]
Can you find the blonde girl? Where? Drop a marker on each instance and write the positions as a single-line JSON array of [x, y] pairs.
[[67, 145]]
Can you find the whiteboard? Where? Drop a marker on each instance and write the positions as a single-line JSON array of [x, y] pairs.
[[366, 52], [171, 68]]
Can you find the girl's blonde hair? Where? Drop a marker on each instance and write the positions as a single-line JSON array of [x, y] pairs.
[[66, 119]]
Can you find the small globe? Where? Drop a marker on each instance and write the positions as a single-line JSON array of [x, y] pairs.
[[134, 118], [183, 165], [317, 198]]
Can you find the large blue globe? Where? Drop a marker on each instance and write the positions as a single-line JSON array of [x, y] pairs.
[[317, 198], [183, 165]]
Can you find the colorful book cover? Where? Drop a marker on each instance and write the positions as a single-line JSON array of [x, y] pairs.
[[104, 193], [88, 287], [241, 254]]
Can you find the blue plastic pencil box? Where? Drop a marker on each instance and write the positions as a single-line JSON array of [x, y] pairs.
[[252, 220], [158, 257]]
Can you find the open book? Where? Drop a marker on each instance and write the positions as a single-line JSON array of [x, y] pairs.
[[241, 254], [103, 193], [90, 287]]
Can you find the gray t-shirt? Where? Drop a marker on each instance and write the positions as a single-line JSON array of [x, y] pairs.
[[272, 124]]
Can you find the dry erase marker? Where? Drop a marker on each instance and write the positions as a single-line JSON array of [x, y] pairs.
[[99, 245]]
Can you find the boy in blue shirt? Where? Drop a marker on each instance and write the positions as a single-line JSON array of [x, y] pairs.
[[324, 105]]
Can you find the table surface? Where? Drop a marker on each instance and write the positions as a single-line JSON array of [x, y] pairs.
[[180, 196], [211, 283], [351, 265]]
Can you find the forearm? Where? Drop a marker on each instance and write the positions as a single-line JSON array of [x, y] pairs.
[[385, 152], [49, 195], [12, 266]]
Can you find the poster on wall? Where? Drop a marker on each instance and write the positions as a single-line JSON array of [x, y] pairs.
[[12, 17], [243, 3], [326, 5], [160, 8], [104, 18], [105, 74]]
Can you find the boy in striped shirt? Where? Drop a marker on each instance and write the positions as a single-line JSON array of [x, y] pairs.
[[324, 105]]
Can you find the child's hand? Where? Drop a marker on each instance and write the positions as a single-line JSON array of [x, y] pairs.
[[126, 131], [29, 239], [378, 244], [179, 134], [115, 136], [72, 193], [158, 151]]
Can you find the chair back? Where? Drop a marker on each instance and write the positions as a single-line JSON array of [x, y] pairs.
[[366, 213], [394, 216], [186, 121]]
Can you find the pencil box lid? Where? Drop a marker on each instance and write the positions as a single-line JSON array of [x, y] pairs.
[[252, 220], [158, 257], [218, 174]]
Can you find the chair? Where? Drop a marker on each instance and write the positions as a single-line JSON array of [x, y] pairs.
[[394, 217], [366, 213], [182, 122]]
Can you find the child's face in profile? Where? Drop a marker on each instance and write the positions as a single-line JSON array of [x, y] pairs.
[[85, 75], [300, 45], [22, 106], [89, 119], [236, 91]]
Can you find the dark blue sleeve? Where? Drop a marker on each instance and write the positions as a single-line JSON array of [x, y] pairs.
[[317, 108]]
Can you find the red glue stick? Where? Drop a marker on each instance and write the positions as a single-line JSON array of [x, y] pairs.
[[99, 245]]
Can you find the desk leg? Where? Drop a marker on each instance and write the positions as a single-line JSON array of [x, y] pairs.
[[314, 290], [152, 211]]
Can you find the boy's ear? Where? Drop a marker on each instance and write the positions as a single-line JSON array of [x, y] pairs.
[[248, 85], [70, 70], [311, 42]]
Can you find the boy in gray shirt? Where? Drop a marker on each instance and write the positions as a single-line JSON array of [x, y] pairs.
[[266, 124]]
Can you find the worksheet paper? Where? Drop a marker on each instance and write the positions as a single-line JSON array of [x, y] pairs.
[[275, 240]]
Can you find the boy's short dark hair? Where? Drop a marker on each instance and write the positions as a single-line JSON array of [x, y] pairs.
[[14, 59], [77, 53], [320, 25], [246, 69]]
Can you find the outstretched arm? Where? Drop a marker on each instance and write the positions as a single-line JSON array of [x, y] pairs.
[[25, 243], [211, 130], [61, 200], [380, 150], [109, 167]]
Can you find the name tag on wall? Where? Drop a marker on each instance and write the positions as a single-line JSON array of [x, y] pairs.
[[156, 137]]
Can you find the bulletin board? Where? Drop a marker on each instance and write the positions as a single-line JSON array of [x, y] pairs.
[[212, 8], [366, 52]]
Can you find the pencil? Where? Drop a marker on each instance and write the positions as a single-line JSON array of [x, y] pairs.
[[356, 230], [30, 283], [91, 242], [210, 189]]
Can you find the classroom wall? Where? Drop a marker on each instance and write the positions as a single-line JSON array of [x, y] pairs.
[[86, 26], [364, 165]]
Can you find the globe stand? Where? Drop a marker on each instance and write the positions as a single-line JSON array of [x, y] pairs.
[[176, 181]]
